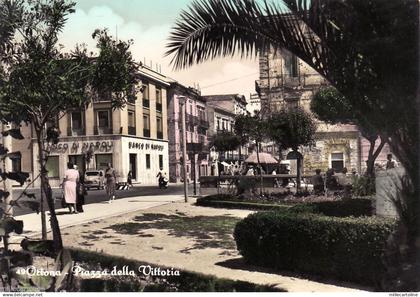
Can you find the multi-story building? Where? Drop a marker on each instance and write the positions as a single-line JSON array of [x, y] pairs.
[[133, 138], [196, 132], [254, 104], [288, 82], [222, 110]]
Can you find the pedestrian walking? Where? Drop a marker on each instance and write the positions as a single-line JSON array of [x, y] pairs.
[[71, 178], [130, 179], [110, 182], [81, 191]]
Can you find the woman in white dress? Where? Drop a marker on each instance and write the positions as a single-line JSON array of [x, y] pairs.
[[71, 178]]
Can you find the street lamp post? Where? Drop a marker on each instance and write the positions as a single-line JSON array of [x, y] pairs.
[[182, 100]]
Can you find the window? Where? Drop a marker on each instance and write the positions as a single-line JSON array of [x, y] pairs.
[[337, 161], [146, 121], [158, 95], [76, 120], [218, 124], [16, 164], [160, 161], [159, 127], [146, 91], [131, 119], [102, 161], [53, 167], [103, 119], [147, 161], [191, 109], [291, 65]]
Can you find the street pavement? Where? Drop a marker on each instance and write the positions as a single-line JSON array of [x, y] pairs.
[[92, 212], [98, 196]]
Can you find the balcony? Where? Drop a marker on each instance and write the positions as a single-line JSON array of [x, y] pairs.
[[203, 123], [193, 120], [159, 107], [159, 135], [146, 103], [102, 130], [131, 130], [146, 132]]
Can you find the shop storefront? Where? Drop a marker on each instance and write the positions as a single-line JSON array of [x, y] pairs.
[[143, 157]]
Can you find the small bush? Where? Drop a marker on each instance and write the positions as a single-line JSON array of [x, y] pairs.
[[342, 208], [363, 186], [348, 249]]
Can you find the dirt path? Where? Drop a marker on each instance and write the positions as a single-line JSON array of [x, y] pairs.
[[183, 236]]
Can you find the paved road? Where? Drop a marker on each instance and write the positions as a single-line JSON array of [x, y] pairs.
[[95, 196]]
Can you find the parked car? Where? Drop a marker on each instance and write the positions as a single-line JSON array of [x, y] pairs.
[[94, 179]]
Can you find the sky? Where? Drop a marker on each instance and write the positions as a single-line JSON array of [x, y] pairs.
[[148, 23]]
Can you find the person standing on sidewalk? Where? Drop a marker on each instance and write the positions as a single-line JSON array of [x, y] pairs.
[[81, 191], [71, 178], [110, 182]]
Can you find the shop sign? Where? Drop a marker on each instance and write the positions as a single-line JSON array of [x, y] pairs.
[[145, 146], [81, 147]]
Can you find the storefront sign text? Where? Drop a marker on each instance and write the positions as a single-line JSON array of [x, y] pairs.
[[83, 147], [145, 146]]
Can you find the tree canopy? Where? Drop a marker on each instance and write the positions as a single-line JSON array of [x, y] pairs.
[[291, 128]]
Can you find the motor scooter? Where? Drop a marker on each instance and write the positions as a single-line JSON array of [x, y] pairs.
[[163, 183]]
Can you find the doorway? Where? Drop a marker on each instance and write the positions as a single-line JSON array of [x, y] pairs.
[[78, 160], [133, 166]]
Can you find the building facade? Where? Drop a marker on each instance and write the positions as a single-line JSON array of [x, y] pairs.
[[197, 125], [287, 82], [133, 138], [222, 111]]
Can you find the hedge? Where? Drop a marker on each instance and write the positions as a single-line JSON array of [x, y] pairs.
[[187, 281], [343, 208], [349, 249], [356, 207], [204, 201]]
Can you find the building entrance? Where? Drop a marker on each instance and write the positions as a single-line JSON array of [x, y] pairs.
[[78, 160], [133, 166]]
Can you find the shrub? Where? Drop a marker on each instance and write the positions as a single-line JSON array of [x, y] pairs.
[[363, 186], [343, 248], [343, 208]]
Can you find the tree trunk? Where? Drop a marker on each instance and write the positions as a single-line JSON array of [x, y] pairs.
[[403, 256], [280, 159], [298, 173], [46, 189], [259, 166]]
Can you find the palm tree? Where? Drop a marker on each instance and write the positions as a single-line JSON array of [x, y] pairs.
[[367, 50]]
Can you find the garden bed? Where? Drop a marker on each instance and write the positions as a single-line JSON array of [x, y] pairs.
[[329, 206]]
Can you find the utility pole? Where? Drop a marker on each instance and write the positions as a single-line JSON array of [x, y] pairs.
[[7, 167], [182, 101]]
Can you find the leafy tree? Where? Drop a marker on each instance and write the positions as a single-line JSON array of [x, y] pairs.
[[40, 82], [291, 129], [252, 128], [225, 142], [333, 108], [365, 49]]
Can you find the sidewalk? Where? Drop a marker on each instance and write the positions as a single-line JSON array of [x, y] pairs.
[[95, 211]]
